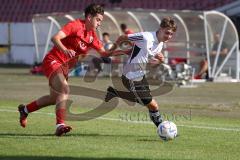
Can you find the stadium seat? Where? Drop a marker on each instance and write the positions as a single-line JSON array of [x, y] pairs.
[[10, 9]]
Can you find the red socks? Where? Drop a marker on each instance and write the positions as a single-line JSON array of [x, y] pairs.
[[60, 111], [60, 115], [31, 107]]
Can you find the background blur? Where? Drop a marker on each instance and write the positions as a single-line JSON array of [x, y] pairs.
[[27, 25]]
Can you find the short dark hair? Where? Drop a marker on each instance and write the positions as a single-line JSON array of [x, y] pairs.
[[94, 9], [123, 26], [106, 34], [168, 22]]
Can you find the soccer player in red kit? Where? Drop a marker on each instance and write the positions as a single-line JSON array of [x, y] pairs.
[[70, 43]]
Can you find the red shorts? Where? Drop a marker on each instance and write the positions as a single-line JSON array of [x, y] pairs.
[[52, 66]]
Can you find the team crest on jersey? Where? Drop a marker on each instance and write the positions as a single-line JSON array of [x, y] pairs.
[[82, 45], [53, 62]]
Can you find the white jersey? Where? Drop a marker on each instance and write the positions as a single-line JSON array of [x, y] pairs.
[[146, 46]]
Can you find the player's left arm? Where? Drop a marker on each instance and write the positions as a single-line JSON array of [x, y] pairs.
[[114, 51], [111, 52], [123, 40], [97, 45]]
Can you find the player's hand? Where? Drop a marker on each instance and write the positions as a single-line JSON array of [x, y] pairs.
[[70, 52], [125, 47], [160, 57], [154, 62], [113, 47], [121, 38]]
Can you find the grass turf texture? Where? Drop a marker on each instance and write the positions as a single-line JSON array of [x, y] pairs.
[[207, 118]]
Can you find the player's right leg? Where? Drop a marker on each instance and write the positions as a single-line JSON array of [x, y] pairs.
[[59, 86], [127, 94]]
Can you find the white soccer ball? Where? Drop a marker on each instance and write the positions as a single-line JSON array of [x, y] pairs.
[[167, 130]]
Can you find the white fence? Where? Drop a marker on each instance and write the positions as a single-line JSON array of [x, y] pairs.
[[20, 40], [193, 41]]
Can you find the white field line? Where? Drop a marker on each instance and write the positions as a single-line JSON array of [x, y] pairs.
[[141, 122]]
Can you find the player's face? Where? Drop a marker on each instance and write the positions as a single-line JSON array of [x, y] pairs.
[[96, 21], [106, 39], [165, 34]]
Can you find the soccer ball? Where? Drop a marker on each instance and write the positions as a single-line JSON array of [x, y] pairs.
[[167, 130]]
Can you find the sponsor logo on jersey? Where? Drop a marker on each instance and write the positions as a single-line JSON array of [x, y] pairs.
[[53, 62]]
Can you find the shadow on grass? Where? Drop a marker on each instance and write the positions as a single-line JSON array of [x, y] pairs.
[[27, 135], [67, 158], [2, 135], [149, 140], [60, 158]]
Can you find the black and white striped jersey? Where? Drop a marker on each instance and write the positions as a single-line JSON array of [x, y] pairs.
[[146, 45]]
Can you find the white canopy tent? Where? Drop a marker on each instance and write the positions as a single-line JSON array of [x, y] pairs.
[[193, 41]]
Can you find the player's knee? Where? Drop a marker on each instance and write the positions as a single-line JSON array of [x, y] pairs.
[[66, 89], [146, 101], [61, 89], [62, 95], [52, 100], [153, 106], [61, 98]]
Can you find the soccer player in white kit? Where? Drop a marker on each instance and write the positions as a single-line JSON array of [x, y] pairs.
[[146, 45]]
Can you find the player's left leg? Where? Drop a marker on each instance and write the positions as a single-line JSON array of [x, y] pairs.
[[154, 113], [138, 92], [35, 105], [144, 97], [43, 101]]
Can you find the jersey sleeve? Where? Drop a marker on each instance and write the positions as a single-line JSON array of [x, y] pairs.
[[136, 37], [70, 28]]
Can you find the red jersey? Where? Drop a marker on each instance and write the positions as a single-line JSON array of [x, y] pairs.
[[78, 39], [128, 31]]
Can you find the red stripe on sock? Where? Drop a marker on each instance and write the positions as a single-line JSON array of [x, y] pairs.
[[60, 115], [31, 107]]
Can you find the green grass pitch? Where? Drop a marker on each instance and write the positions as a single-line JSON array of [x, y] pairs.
[[208, 120]]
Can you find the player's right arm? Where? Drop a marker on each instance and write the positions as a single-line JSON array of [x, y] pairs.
[[124, 41], [56, 39], [135, 37], [121, 39]]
